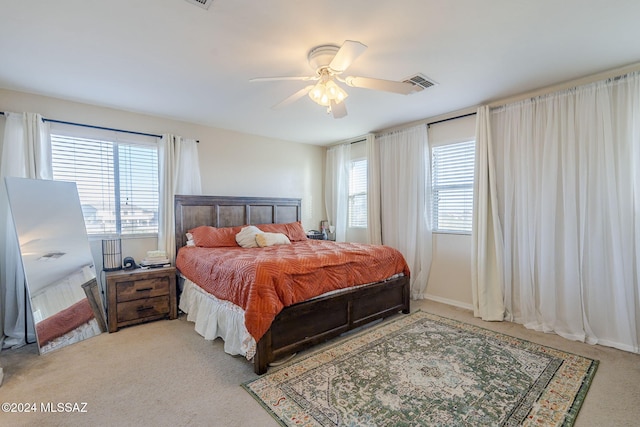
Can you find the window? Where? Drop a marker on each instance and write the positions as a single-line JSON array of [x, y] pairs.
[[117, 182], [452, 179], [358, 194]]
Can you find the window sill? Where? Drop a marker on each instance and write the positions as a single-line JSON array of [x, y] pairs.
[[457, 233]]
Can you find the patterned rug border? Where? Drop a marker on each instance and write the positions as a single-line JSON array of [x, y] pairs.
[[377, 331]]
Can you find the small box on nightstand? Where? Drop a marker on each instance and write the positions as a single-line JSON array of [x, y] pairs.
[[140, 295]]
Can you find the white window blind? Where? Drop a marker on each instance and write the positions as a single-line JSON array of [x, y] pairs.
[[117, 182], [358, 194], [452, 181]]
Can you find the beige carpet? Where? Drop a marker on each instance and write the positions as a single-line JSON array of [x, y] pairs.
[[163, 373]]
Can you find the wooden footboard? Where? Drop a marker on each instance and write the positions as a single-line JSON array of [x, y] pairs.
[[308, 323]]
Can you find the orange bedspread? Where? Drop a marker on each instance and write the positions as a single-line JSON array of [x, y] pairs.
[[264, 280]]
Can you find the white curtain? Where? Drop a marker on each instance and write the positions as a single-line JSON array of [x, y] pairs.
[[179, 173], [486, 250], [26, 153], [374, 226], [336, 188], [188, 171], [567, 175], [405, 185]]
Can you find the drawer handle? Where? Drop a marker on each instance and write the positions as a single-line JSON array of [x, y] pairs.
[[143, 308], [144, 289]]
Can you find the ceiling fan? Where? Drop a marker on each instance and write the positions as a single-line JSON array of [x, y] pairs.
[[329, 62]]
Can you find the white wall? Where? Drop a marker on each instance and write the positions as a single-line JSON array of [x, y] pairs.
[[450, 276], [231, 163]]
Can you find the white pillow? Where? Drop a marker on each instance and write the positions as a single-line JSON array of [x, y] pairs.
[[247, 236], [270, 239]]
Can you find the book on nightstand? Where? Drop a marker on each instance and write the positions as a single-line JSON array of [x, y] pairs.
[[155, 259]]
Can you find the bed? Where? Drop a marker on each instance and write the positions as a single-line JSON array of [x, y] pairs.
[[302, 324]]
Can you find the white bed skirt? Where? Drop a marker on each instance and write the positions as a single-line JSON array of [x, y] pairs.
[[216, 318]]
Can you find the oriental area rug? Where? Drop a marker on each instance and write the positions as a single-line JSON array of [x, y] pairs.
[[425, 370]]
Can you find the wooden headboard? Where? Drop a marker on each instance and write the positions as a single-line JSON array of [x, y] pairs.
[[226, 211]]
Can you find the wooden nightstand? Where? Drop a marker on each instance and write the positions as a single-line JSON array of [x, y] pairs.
[[140, 295]]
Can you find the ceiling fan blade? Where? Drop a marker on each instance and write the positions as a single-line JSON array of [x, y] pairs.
[[347, 53], [384, 85], [339, 110], [271, 79], [293, 98]]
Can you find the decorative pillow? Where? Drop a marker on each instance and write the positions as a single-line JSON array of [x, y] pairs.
[[247, 236], [271, 239], [211, 237], [293, 230]]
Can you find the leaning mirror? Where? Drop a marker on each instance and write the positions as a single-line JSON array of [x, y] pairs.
[[57, 261]]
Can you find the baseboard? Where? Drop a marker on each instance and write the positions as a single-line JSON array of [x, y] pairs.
[[449, 302]]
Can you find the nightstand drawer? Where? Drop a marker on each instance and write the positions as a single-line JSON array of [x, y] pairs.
[[137, 289], [141, 308]]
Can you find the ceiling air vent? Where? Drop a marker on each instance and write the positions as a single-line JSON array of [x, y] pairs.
[[420, 80], [202, 3]]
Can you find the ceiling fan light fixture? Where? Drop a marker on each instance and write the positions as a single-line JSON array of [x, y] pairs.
[[329, 62], [326, 91]]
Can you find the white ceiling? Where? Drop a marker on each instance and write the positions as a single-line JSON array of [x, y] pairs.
[[173, 59]]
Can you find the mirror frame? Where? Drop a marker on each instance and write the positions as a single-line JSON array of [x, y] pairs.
[[59, 269]]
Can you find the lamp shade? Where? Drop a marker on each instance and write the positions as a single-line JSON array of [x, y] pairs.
[[111, 255], [326, 91], [319, 94]]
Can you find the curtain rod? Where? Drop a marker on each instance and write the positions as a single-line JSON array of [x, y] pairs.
[[609, 74], [99, 127], [96, 127], [451, 118], [469, 111]]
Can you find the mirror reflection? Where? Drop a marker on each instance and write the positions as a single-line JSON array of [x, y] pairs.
[[57, 261]]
